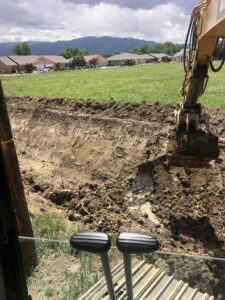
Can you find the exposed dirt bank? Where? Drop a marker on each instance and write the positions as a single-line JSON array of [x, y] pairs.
[[105, 164]]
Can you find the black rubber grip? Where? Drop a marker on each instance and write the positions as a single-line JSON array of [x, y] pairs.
[[136, 243], [94, 242]]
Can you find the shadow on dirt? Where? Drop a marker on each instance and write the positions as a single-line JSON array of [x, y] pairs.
[[200, 230]]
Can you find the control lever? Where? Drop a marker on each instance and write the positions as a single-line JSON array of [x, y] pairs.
[[134, 243], [97, 243]]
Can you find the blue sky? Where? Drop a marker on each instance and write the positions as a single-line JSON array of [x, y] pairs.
[[51, 20]]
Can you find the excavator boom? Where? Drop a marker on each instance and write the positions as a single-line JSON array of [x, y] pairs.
[[193, 143], [206, 33]]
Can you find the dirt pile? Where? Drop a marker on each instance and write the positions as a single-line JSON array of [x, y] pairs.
[[105, 164]]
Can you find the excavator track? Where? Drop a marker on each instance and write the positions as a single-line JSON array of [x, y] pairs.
[[149, 282]]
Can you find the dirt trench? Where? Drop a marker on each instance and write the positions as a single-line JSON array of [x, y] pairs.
[[105, 164]]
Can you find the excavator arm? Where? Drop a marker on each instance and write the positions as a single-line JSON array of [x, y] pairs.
[[206, 32]]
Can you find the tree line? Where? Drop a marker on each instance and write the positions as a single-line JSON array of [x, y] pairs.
[[168, 48], [69, 52], [25, 49]]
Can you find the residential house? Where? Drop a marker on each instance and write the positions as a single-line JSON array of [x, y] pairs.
[[122, 58], [145, 59], [179, 56], [55, 61], [7, 65], [129, 59], [95, 61], [44, 61], [161, 57], [22, 60]]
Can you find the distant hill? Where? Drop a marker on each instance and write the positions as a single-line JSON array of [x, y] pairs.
[[99, 45]]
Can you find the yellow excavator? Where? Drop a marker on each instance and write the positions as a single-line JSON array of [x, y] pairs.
[[205, 42], [206, 33]]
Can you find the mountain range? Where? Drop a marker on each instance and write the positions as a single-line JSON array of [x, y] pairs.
[[96, 45]]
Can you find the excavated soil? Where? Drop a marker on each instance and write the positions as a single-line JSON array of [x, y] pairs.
[[105, 164]]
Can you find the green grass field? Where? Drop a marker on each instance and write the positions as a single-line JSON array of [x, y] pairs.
[[151, 83]]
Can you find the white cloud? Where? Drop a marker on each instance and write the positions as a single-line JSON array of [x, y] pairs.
[[52, 20], [135, 4]]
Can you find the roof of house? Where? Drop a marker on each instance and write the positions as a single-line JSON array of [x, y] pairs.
[[159, 55], [56, 59], [123, 56], [90, 57], [7, 61], [32, 59], [144, 56], [129, 56], [180, 53], [42, 60], [23, 59]]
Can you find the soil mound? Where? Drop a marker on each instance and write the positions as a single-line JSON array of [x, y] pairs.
[[105, 164]]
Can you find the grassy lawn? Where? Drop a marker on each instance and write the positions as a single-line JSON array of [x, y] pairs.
[[153, 82]]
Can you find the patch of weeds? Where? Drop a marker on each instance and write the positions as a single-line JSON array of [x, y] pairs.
[[49, 292], [62, 272], [115, 256], [51, 226], [88, 273]]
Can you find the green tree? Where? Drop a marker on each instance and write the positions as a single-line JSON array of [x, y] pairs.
[[167, 48], [17, 49], [22, 49], [78, 62], [72, 51]]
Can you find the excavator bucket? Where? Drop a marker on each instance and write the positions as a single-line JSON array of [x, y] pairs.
[[192, 149]]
